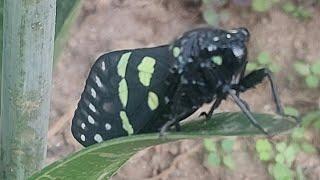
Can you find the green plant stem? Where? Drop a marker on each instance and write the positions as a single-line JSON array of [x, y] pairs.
[[29, 27]]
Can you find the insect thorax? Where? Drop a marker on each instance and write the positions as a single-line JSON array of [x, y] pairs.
[[214, 50]]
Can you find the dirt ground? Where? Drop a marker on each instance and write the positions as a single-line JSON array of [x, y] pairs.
[[106, 25]]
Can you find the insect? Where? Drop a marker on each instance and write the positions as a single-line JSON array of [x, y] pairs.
[[151, 89]]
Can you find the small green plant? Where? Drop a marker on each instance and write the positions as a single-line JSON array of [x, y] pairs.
[[281, 172], [220, 153], [288, 110], [280, 156], [263, 60], [210, 15], [264, 149], [213, 157], [312, 119], [310, 72], [296, 11], [261, 5]]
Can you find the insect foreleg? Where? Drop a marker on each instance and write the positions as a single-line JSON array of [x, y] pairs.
[[242, 74], [256, 77], [244, 109]]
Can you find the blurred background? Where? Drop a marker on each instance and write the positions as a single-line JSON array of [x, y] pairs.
[[285, 37]]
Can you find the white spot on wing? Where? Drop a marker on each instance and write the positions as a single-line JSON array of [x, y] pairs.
[[82, 137], [228, 36], [108, 126], [93, 93], [83, 125], [90, 119], [91, 106], [166, 100], [216, 38], [98, 138], [98, 81], [103, 66]]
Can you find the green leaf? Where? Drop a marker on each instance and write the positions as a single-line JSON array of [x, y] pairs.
[[281, 146], [103, 160], [300, 175], [264, 58], [308, 148], [209, 145], [214, 159], [264, 149], [289, 7], [303, 13], [251, 66], [315, 68], [265, 156], [290, 154], [309, 118], [288, 110], [261, 5], [302, 68], [296, 146], [228, 161], [298, 133], [317, 124], [227, 145], [64, 9], [274, 68], [67, 13], [211, 17], [280, 158], [312, 81], [207, 1], [282, 172]]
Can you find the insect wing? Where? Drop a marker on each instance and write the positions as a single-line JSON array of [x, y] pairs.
[[124, 91]]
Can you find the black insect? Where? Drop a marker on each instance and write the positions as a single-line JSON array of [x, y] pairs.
[[150, 89]]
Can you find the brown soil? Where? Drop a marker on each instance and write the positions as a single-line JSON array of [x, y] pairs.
[[106, 25]]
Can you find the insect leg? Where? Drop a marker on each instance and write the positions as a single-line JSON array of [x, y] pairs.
[[212, 81], [174, 121], [181, 117], [241, 76], [244, 102], [256, 77], [245, 110], [180, 110], [165, 127], [215, 105]]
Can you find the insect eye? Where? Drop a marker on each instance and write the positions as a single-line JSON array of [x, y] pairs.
[[242, 33], [245, 33]]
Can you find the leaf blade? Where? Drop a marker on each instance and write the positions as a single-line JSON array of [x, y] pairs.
[[106, 158]]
